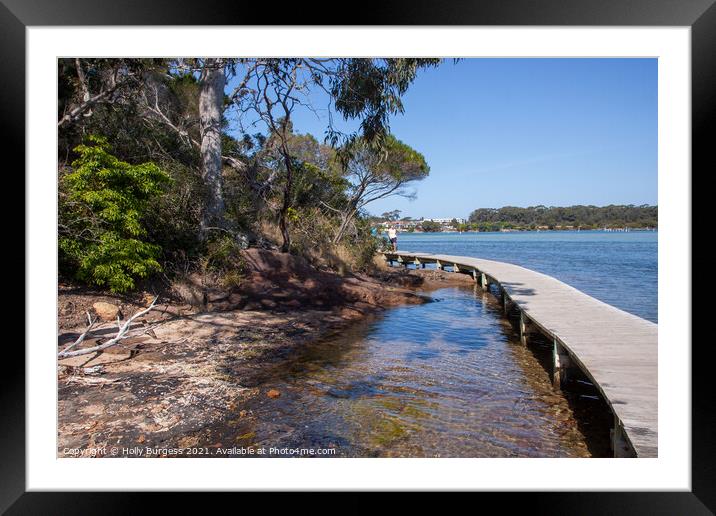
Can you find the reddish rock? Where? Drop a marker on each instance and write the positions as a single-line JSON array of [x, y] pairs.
[[268, 303], [106, 311]]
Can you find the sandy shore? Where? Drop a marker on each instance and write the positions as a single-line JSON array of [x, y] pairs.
[[192, 368]]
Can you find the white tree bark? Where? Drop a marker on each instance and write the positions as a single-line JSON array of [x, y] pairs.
[[211, 99], [121, 335]]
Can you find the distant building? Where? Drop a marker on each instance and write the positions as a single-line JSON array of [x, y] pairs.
[[448, 221], [415, 224], [401, 225]]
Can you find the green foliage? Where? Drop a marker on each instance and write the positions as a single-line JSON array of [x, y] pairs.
[[222, 253], [391, 215], [363, 245], [371, 89], [102, 204], [429, 226], [172, 217], [313, 232], [587, 217], [127, 213], [402, 162], [224, 258]]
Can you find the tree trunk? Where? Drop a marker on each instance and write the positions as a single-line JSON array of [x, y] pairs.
[[346, 219], [211, 100], [283, 214], [347, 216]]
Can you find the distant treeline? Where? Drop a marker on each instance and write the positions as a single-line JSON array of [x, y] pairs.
[[552, 217]]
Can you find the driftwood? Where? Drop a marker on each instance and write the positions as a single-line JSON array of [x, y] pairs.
[[81, 337], [122, 334]]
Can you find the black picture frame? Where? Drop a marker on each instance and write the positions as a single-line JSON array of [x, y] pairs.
[[700, 15]]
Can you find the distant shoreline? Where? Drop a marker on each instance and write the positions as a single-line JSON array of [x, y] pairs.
[[571, 230]]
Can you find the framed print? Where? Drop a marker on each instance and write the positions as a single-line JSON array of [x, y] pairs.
[[434, 249]]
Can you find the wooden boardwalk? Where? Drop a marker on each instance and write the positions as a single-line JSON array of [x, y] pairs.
[[616, 350]]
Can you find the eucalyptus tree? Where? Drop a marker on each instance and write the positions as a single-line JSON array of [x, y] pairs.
[[392, 215], [378, 171], [84, 84], [211, 77], [265, 91], [368, 90]]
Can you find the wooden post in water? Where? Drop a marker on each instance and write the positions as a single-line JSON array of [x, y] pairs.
[[619, 442], [556, 379], [576, 323], [524, 328], [474, 275], [455, 268], [560, 365]]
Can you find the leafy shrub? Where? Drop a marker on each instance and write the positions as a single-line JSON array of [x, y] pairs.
[[313, 232], [224, 257], [172, 218], [102, 203], [362, 245]]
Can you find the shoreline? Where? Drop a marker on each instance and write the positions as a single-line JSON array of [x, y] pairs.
[[197, 369], [573, 230]]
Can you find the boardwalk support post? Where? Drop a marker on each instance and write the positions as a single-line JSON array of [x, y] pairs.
[[455, 268], [619, 442], [576, 323], [560, 365], [474, 275], [524, 328]]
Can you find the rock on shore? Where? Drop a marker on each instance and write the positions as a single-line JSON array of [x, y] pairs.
[[198, 363]]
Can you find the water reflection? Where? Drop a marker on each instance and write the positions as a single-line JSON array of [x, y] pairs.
[[444, 379]]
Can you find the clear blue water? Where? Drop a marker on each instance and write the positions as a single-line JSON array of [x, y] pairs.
[[450, 378], [619, 268], [442, 379]]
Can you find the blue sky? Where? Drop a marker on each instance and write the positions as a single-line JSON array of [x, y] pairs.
[[523, 132]]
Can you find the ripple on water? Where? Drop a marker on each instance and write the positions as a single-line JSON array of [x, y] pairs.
[[444, 379]]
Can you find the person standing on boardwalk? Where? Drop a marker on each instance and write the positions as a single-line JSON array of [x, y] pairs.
[[393, 236]]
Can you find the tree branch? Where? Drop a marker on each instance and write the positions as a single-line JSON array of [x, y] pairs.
[[121, 334], [81, 337]]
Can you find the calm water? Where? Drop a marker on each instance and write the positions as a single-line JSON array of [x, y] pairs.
[[444, 379], [449, 378], [617, 268]]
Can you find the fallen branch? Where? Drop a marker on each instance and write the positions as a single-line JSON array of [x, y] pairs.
[[121, 334], [81, 337]]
